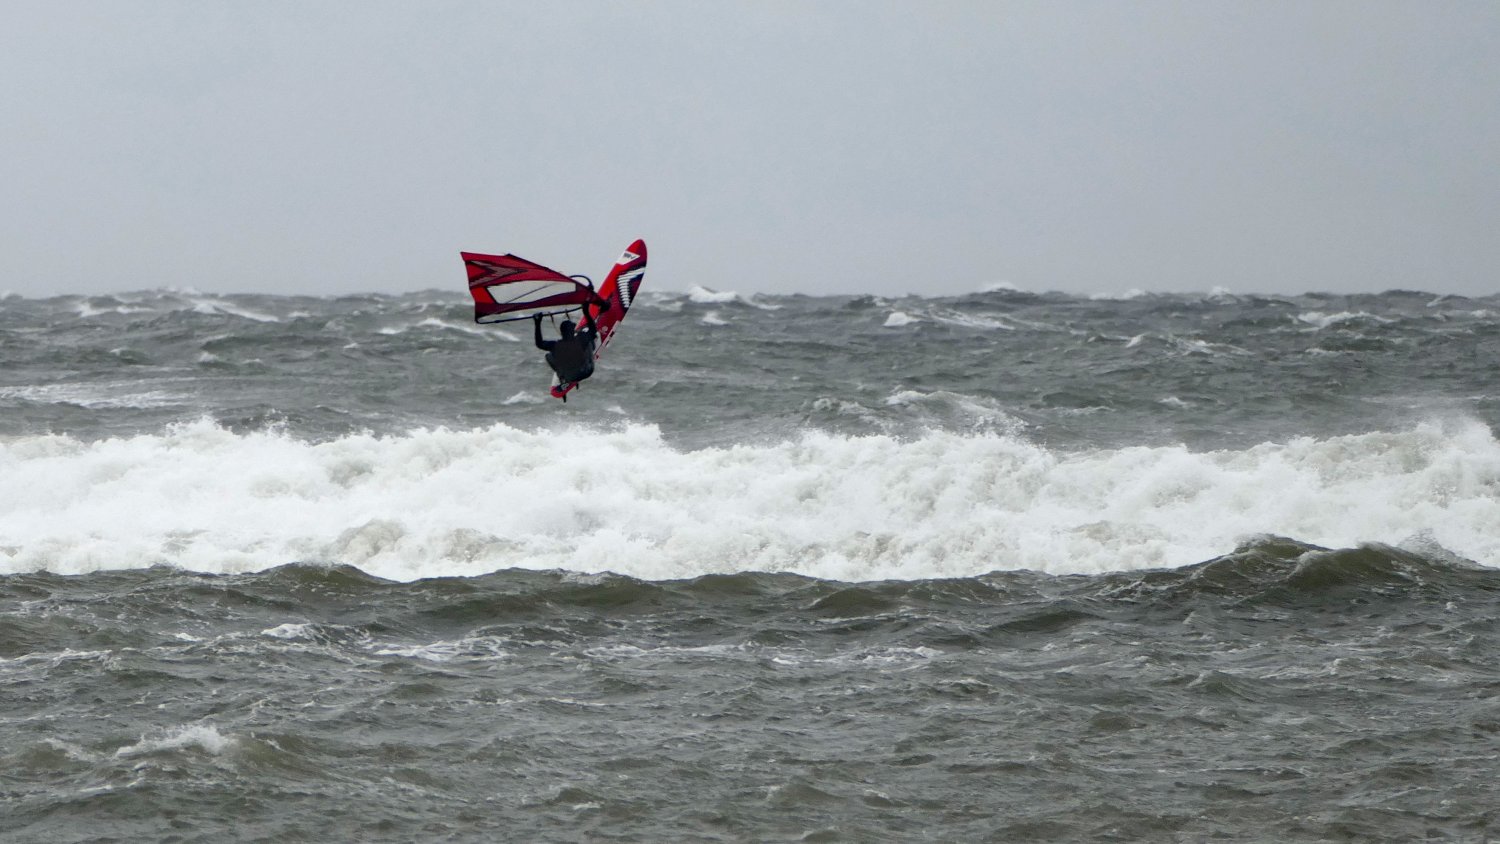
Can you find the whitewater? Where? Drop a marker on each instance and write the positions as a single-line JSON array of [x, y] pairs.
[[1004, 566], [437, 503]]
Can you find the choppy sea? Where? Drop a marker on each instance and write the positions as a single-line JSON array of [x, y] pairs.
[[997, 567]]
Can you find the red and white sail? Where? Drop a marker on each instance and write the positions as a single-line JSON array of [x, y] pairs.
[[507, 288]]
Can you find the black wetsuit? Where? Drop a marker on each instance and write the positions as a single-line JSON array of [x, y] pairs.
[[572, 355]]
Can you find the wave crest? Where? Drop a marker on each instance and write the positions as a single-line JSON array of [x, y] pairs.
[[434, 503]]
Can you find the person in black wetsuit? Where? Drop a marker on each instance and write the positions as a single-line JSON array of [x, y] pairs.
[[571, 356]]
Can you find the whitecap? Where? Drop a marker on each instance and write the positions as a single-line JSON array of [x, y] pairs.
[[968, 320], [289, 630], [704, 296], [216, 306], [1318, 319], [1001, 287], [205, 737], [101, 396], [1118, 296]]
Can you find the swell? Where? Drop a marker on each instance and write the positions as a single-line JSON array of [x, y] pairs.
[[1258, 580], [1207, 371], [312, 700]]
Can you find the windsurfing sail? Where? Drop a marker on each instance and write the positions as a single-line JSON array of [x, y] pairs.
[[507, 288]]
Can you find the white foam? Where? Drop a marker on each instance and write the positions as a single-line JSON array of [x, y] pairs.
[[486, 648], [1126, 296], [898, 319], [1194, 346], [219, 306], [202, 736], [109, 395], [433, 322], [712, 318], [975, 412], [846, 407], [1319, 319], [664, 300], [904, 397], [1001, 287], [458, 503], [969, 320], [289, 630], [704, 296], [86, 309], [56, 658]]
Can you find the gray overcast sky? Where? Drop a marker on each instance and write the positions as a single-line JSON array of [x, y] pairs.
[[824, 147]]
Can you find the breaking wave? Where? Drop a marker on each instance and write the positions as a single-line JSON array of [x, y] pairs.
[[440, 502]]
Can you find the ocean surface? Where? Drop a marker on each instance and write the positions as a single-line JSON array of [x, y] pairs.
[[997, 567]]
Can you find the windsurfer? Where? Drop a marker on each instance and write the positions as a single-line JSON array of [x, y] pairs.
[[571, 356]]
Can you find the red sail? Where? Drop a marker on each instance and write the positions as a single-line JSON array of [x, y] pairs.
[[506, 288]]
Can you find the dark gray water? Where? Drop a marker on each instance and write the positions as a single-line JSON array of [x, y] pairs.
[[1003, 567]]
